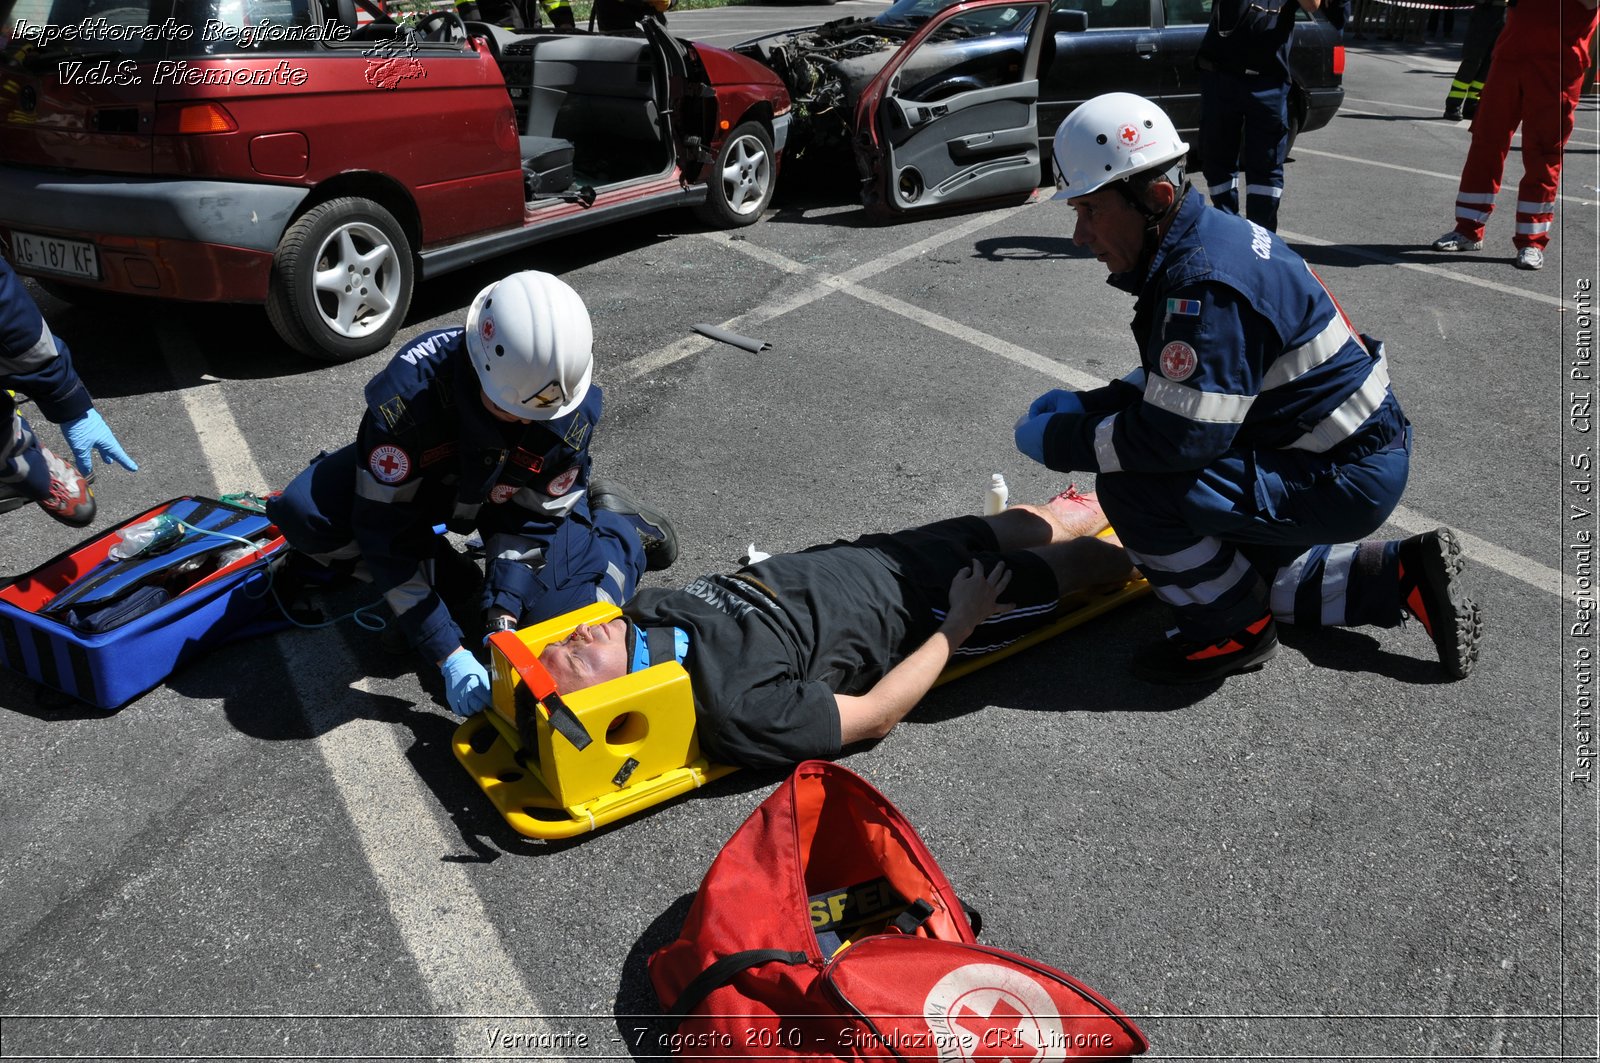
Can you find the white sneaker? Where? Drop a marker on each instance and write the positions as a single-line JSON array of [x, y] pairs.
[[1454, 241], [1530, 258]]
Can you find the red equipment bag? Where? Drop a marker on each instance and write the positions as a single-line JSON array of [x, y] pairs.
[[825, 930]]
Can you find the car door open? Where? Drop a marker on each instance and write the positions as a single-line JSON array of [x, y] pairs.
[[952, 117]]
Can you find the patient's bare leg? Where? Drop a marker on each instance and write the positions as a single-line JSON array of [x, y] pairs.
[[1066, 517], [1087, 564]]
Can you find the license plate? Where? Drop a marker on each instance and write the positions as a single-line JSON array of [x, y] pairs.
[[51, 254]]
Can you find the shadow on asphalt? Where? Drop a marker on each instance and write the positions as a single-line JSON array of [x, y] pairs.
[[27, 698], [1409, 118], [639, 1023], [1372, 43], [120, 344], [1082, 670], [1086, 670], [1353, 650], [823, 180], [1019, 248], [1423, 254], [487, 835]]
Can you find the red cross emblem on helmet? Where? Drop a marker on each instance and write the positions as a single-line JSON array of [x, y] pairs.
[[1127, 134], [487, 329]]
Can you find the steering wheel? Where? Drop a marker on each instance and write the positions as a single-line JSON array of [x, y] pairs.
[[443, 25]]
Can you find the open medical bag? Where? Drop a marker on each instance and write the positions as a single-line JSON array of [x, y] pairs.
[[105, 630], [825, 930]]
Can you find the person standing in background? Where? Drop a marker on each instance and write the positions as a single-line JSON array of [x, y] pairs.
[[1534, 81], [1483, 27], [1244, 102]]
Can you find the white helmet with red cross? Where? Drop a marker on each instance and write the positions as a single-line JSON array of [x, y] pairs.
[[532, 345], [1109, 138]]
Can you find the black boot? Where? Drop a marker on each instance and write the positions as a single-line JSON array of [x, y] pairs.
[[655, 532], [1177, 661], [1430, 590]]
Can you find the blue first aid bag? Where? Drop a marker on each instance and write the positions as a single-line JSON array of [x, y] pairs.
[[105, 629]]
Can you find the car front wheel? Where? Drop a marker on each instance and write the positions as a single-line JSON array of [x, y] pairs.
[[341, 280], [741, 180]]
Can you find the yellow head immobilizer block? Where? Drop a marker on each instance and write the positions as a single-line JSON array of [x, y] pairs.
[[641, 746]]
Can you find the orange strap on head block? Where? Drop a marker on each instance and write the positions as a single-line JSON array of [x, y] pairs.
[[540, 688]]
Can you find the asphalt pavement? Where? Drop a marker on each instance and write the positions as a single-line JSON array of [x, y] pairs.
[[275, 855]]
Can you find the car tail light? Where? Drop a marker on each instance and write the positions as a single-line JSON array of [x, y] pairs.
[[1338, 60], [190, 118]]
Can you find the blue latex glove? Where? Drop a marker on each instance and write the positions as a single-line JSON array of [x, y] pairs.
[[90, 433], [1030, 435], [1057, 401], [466, 683]]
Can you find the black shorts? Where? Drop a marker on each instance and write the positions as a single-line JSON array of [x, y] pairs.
[[925, 560]]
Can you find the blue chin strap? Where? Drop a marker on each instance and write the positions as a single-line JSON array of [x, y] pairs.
[[656, 639]]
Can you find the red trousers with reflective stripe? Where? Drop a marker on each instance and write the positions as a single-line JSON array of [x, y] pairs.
[[1541, 96]]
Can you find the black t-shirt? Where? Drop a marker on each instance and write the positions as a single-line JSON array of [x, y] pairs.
[[769, 647]]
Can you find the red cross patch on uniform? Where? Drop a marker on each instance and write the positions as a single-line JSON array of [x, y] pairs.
[[389, 464], [1177, 360], [563, 483], [502, 493]]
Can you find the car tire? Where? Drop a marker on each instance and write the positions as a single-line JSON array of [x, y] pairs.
[[741, 180], [341, 280]]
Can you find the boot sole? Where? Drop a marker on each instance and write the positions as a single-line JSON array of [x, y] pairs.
[[80, 519], [1457, 635], [617, 500]]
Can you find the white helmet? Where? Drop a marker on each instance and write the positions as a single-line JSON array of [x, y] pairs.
[[1111, 137], [533, 347]]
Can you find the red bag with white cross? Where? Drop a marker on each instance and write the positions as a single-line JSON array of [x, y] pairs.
[[826, 930]]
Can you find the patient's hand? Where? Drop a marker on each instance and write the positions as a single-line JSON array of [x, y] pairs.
[[974, 598]]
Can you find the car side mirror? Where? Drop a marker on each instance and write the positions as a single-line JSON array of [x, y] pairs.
[[1068, 21]]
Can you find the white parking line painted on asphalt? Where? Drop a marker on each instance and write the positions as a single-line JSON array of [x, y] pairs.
[[1464, 126], [226, 455], [1453, 178], [761, 254], [433, 904], [982, 340], [749, 322], [1438, 271], [1540, 577], [1389, 103]]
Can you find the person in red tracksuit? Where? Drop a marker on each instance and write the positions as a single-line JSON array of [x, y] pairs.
[[1534, 81]]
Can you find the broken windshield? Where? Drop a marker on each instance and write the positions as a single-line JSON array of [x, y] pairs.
[[911, 14]]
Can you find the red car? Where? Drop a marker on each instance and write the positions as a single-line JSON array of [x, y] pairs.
[[322, 159]]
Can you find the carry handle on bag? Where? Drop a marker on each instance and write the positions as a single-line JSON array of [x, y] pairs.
[[858, 948]]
